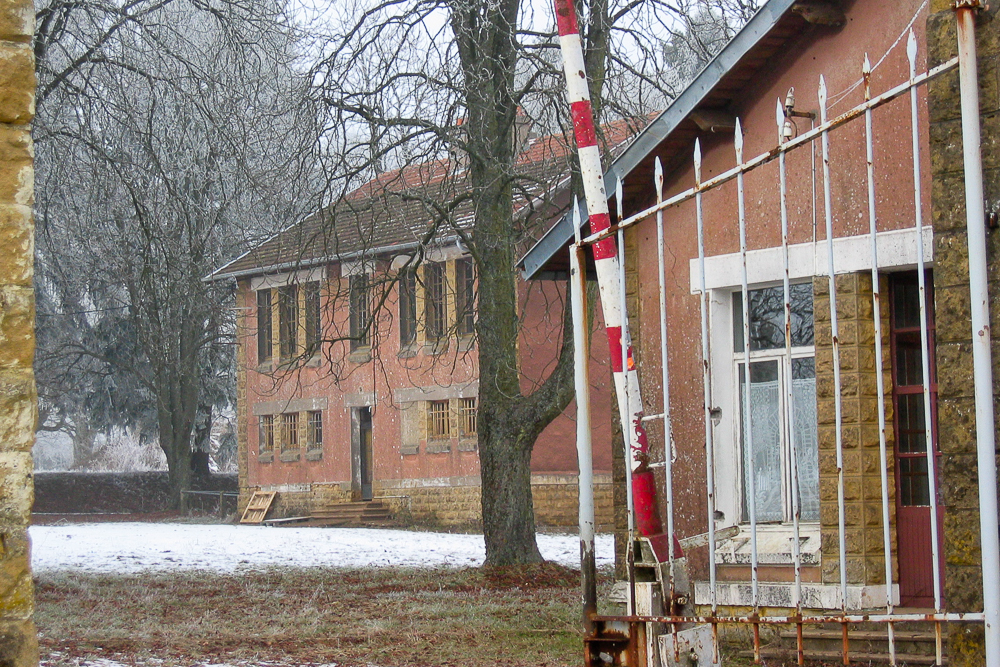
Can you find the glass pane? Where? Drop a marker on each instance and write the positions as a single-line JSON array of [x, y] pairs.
[[767, 317], [912, 430], [913, 482], [906, 301], [806, 446], [764, 462]]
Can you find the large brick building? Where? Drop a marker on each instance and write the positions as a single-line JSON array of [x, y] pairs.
[[357, 358]]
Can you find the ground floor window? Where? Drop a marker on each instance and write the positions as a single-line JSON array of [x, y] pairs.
[[439, 422], [289, 431], [314, 439], [265, 442], [777, 415]]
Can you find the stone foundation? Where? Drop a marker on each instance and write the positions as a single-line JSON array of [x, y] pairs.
[[453, 502]]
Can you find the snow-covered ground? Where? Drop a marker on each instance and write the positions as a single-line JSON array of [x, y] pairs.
[[136, 547]]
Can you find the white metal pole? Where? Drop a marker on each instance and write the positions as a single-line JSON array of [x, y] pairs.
[[584, 449], [981, 338], [835, 335], [879, 380]]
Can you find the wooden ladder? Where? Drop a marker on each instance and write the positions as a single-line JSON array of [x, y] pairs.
[[258, 506]]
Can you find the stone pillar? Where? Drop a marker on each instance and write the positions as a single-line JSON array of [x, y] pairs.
[[860, 432], [956, 408], [18, 410]]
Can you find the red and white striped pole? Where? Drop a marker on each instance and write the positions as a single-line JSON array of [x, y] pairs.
[[608, 281]]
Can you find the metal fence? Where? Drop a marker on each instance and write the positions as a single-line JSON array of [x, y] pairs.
[[790, 496]]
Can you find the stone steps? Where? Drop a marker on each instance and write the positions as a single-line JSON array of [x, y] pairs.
[[370, 514]]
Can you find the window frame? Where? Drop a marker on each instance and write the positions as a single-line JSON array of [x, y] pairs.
[[265, 329], [465, 296], [468, 414], [289, 432], [439, 420], [360, 311], [435, 300], [314, 430], [743, 358], [407, 307], [265, 435], [288, 321], [313, 317]]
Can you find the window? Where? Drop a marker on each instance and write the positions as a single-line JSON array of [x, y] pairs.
[[468, 409], [908, 387], [407, 308], [436, 311], [360, 313], [314, 436], [440, 426], [265, 441], [314, 333], [288, 320], [289, 431], [767, 446], [263, 325], [465, 294]]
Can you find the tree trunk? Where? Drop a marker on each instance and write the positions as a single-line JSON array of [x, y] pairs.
[[508, 510]]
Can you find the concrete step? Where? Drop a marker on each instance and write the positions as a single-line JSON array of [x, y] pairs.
[[859, 658], [910, 642]]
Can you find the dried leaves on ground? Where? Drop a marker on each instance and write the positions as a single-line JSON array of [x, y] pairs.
[[387, 617]]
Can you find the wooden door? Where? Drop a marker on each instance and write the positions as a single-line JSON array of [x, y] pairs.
[[913, 492]]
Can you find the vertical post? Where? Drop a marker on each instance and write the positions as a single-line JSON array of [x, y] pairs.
[[584, 450], [981, 338], [606, 263]]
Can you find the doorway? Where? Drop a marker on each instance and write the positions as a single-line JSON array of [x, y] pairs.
[[362, 473], [913, 492]]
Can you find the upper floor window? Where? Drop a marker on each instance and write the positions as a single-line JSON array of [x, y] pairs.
[[264, 337], [407, 307], [782, 403], [465, 296], [360, 312], [288, 320], [313, 323], [435, 304]]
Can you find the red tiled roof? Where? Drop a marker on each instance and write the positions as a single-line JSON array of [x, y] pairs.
[[398, 208]]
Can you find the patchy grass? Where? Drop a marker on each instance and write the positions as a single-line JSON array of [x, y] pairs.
[[387, 617]]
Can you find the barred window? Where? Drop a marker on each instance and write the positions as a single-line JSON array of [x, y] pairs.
[[407, 308], [440, 426], [468, 410], [465, 296], [315, 431], [288, 320], [263, 325], [360, 315], [313, 322], [289, 431], [265, 442], [436, 310]]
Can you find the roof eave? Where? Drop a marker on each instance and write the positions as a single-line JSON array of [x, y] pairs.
[[644, 143]]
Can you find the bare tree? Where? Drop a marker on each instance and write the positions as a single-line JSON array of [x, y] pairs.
[[452, 78], [168, 134]]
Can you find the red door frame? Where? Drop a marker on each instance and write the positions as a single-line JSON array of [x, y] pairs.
[[913, 531]]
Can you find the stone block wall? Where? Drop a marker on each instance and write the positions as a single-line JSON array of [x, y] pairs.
[[860, 431], [956, 400], [18, 410], [448, 503]]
